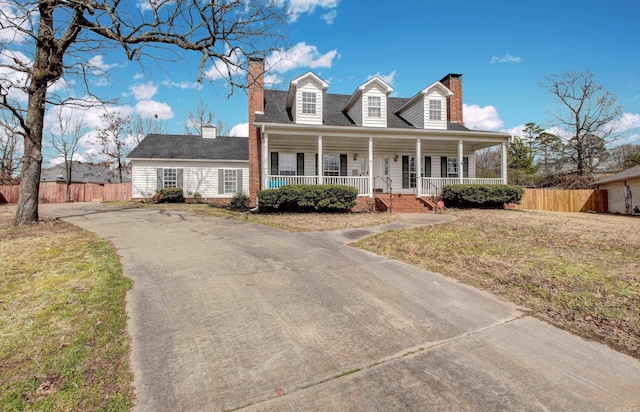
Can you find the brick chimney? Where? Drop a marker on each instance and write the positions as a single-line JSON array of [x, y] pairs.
[[255, 81], [454, 103]]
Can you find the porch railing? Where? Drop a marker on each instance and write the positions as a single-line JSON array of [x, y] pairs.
[[432, 186], [359, 182]]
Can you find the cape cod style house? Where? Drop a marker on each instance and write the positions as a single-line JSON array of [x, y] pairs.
[[381, 145]]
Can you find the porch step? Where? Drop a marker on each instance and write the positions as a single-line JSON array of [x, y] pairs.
[[403, 203]]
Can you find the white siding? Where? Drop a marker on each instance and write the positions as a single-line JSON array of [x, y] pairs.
[[355, 112], [435, 124], [414, 114], [373, 90], [615, 195], [308, 85], [197, 177]]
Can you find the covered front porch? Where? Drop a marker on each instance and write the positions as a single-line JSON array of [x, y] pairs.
[[417, 165]]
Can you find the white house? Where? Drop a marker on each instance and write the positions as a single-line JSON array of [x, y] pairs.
[[214, 167], [370, 140], [623, 190]]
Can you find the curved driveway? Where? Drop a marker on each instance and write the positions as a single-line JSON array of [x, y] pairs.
[[227, 315]]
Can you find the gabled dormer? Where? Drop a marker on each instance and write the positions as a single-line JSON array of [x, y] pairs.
[[305, 98], [428, 108], [367, 106]]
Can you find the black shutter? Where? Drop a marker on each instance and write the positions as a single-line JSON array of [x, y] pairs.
[[239, 181], [220, 181], [179, 178], [465, 167], [343, 165], [426, 170], [300, 164], [405, 172], [274, 163], [317, 165], [159, 177], [443, 167]]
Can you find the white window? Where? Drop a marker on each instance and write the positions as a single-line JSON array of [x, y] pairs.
[[170, 178], [364, 166], [435, 110], [230, 181], [375, 106], [412, 171], [331, 165], [452, 167], [287, 164], [308, 103], [386, 165]]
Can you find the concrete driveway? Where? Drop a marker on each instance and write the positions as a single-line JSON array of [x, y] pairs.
[[226, 315]]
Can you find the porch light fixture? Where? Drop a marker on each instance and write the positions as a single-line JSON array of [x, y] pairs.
[[355, 156], [395, 158]]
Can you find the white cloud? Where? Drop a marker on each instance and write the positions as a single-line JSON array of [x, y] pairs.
[[149, 5], [150, 109], [16, 22], [221, 69], [625, 123], [13, 81], [240, 130], [182, 85], [78, 157], [387, 78], [98, 65], [300, 55], [297, 7], [507, 58], [138, 76], [330, 17], [481, 118], [144, 91]]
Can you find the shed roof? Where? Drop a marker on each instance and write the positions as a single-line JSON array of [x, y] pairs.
[[629, 174]]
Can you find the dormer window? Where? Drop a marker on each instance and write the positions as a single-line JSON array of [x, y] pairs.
[[375, 106], [435, 110], [308, 103]]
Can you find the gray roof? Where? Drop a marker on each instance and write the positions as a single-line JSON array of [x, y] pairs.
[[188, 147], [629, 174], [275, 111], [83, 173]]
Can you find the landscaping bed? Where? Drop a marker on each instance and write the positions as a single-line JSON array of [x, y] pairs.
[[580, 272]]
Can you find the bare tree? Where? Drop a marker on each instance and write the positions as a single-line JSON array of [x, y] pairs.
[[64, 139], [116, 142], [626, 155], [587, 112], [10, 135], [488, 162], [201, 116], [53, 38]]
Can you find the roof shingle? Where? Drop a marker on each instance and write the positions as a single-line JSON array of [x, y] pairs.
[[166, 146]]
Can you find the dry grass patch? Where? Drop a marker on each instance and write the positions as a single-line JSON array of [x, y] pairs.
[[63, 340], [294, 222], [580, 272]]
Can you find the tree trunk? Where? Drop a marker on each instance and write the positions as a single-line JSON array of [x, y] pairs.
[[68, 195], [27, 210]]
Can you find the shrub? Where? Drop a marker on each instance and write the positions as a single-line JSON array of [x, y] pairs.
[[239, 202], [308, 198], [169, 195], [481, 196]]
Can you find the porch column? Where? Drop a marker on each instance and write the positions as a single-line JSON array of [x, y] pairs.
[[418, 167], [503, 163], [371, 167], [265, 161], [460, 162], [320, 161]]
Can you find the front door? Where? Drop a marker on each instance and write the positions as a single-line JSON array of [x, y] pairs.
[[381, 167]]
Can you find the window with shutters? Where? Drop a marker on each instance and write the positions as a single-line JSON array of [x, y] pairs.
[[452, 167], [230, 181], [287, 164], [170, 178], [331, 165], [308, 103]]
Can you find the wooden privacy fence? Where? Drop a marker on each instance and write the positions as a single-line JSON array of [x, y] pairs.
[[80, 192], [564, 200]]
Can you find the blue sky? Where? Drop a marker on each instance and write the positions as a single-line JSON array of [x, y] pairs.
[[503, 49]]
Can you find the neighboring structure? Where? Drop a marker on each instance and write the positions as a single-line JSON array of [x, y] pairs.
[[213, 167], [369, 140], [623, 190], [82, 173]]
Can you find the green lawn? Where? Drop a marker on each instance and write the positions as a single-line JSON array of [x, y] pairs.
[[63, 339]]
